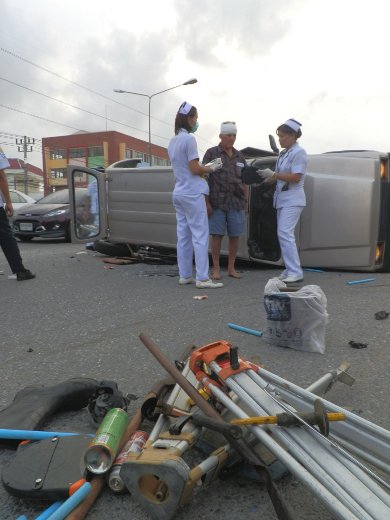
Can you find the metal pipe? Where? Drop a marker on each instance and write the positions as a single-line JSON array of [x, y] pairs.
[[360, 478], [302, 445], [240, 446], [350, 433], [258, 380], [203, 405], [366, 435], [162, 422], [385, 434], [288, 460]]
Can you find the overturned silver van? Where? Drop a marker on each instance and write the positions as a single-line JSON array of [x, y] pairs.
[[345, 225]]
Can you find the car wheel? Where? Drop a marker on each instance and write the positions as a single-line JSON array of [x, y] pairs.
[[111, 249], [24, 239]]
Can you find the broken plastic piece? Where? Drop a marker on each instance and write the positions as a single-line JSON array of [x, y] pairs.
[[69, 504], [106, 397], [355, 344], [204, 297], [118, 261], [245, 329], [365, 280], [381, 315]]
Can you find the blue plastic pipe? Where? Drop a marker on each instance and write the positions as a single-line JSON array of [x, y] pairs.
[[310, 270], [22, 517], [245, 329], [71, 503], [49, 511], [365, 280], [32, 435]]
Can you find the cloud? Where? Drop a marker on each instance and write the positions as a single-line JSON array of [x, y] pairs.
[[101, 62], [317, 99], [252, 26], [256, 61]]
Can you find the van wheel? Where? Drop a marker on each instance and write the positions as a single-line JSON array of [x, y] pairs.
[[112, 249]]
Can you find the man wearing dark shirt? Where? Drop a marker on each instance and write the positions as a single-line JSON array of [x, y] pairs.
[[8, 242], [228, 199]]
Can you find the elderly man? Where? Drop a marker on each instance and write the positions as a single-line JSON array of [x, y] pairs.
[[8, 242], [228, 199]]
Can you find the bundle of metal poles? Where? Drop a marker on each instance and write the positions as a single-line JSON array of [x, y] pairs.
[[330, 465]]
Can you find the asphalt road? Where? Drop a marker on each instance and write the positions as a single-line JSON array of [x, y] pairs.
[[79, 319]]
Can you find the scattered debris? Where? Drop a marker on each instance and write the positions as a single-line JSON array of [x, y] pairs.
[[30, 350], [219, 369], [204, 297], [197, 393], [381, 315], [82, 253], [310, 270], [106, 396], [245, 329], [355, 344], [12, 277], [170, 272], [108, 267], [119, 261], [365, 280]]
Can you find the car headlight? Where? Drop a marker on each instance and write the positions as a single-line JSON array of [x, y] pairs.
[[56, 213]]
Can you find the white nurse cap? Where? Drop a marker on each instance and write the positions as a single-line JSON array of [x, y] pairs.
[[184, 108], [293, 124]]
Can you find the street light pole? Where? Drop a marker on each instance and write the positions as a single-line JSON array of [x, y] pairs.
[[119, 91]]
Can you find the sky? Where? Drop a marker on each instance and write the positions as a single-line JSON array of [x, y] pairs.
[[257, 62]]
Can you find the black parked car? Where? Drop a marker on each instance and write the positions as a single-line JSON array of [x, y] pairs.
[[47, 218]]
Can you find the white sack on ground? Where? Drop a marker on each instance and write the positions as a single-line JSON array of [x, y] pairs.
[[295, 319]]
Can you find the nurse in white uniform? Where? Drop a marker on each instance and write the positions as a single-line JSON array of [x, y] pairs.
[[189, 200], [289, 196]]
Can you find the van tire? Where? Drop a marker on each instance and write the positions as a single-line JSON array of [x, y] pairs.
[[113, 249]]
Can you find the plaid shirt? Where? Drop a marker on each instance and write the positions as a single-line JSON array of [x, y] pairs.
[[226, 187]]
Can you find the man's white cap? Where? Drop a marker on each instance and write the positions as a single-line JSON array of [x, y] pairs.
[[184, 108], [293, 124], [228, 127]]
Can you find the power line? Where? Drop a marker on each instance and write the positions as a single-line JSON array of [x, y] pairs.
[[35, 148], [42, 118], [79, 85], [37, 140], [8, 134], [92, 91], [79, 108]]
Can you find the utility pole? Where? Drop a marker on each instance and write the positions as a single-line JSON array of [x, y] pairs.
[[25, 146]]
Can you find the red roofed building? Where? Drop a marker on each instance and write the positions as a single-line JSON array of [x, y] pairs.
[[24, 177]]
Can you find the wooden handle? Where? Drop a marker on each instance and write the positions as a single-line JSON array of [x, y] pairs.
[[80, 512]]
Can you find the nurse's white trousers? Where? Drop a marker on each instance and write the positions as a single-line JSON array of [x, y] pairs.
[[287, 221], [192, 235]]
